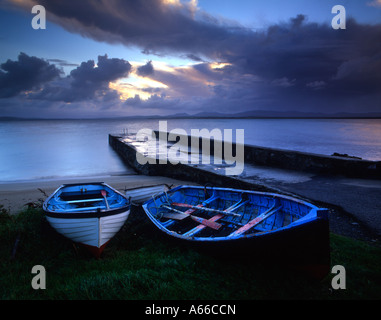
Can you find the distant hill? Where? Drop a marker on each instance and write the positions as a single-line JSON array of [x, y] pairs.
[[276, 114], [254, 114]]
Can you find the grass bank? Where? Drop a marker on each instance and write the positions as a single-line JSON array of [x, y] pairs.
[[137, 264]]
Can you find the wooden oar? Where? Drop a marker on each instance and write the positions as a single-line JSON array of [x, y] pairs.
[[217, 217], [103, 192], [181, 215], [186, 205], [251, 224]]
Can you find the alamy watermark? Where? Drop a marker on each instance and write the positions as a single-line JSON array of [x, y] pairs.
[[174, 147], [339, 20], [39, 20], [339, 280], [39, 280]]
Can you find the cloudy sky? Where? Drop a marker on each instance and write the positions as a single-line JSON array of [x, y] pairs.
[[106, 58]]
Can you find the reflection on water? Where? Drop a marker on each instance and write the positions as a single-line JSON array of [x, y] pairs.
[[54, 148]]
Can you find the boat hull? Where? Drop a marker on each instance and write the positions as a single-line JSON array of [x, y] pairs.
[[303, 245], [305, 248], [78, 213], [93, 232]]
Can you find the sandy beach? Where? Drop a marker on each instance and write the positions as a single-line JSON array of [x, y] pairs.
[[14, 196]]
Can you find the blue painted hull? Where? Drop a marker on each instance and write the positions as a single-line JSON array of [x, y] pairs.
[[258, 226]]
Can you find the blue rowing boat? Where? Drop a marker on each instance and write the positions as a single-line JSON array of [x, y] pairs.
[[87, 213], [249, 224]]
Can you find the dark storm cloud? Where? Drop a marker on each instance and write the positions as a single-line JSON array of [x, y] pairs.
[[309, 52], [62, 63], [194, 57], [290, 65], [88, 81], [146, 70], [151, 24], [25, 74], [107, 70], [293, 59]]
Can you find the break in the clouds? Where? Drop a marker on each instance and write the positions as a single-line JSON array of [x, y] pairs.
[[292, 65]]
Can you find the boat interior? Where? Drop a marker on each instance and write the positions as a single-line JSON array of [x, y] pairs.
[[88, 197], [235, 213]]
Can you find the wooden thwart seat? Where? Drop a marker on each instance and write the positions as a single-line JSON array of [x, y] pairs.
[[257, 220], [85, 200], [179, 215], [215, 218]]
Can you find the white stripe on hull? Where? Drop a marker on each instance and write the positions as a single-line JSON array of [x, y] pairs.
[[90, 231]]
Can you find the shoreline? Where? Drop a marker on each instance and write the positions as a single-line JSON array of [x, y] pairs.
[[63, 178], [15, 195]]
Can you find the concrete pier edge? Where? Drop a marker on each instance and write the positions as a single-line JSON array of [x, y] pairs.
[[367, 228], [263, 156], [301, 161]]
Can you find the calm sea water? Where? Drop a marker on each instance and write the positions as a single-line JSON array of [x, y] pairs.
[[61, 148]]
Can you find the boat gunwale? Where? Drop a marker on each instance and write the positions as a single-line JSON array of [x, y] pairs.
[[96, 213], [314, 214]]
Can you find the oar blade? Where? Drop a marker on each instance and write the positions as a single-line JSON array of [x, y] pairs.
[[206, 222], [178, 215]]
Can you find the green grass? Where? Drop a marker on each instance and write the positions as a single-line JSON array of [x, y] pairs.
[[137, 264]]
